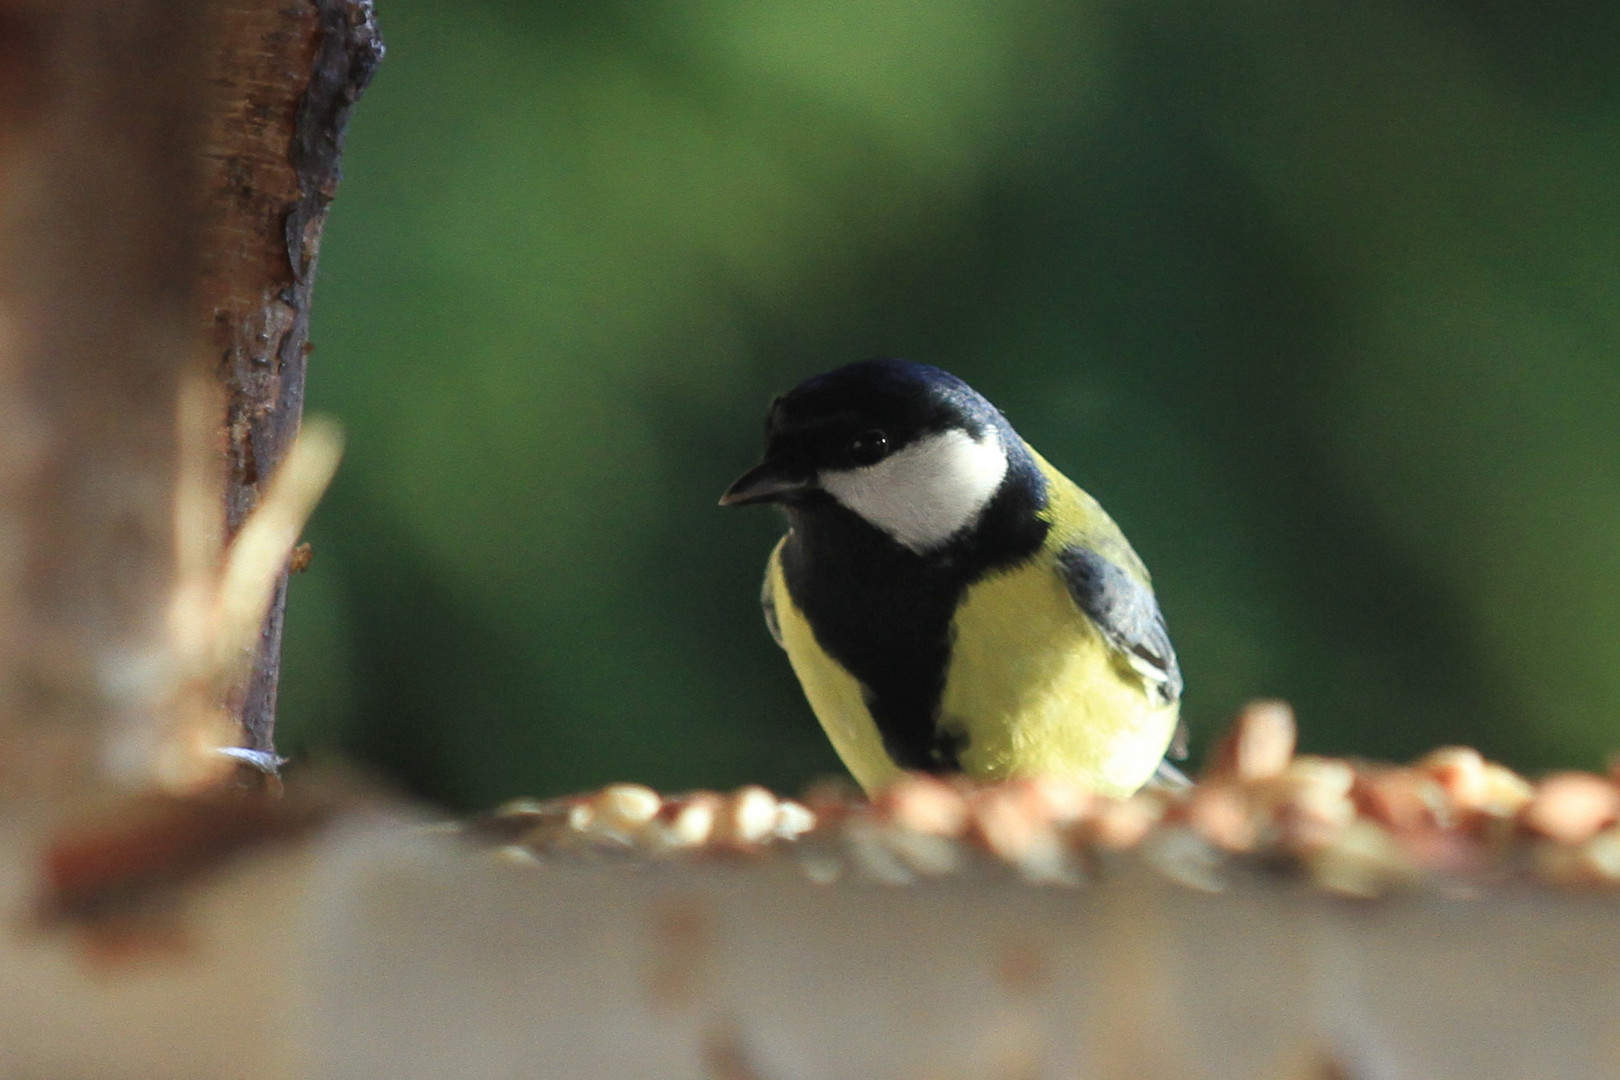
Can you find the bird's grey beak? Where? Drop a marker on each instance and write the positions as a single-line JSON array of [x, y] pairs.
[[766, 482]]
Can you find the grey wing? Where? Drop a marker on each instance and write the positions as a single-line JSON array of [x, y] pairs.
[[1127, 613], [1167, 777], [768, 603]]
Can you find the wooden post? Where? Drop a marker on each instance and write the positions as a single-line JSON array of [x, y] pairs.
[[98, 327]]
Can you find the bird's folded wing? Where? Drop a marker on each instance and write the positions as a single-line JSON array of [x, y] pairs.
[[1126, 612]]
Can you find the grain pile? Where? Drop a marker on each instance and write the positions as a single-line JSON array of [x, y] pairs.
[[1451, 821]]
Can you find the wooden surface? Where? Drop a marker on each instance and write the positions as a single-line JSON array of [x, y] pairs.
[[379, 950]]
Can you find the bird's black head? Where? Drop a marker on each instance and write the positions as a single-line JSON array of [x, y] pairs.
[[911, 449]]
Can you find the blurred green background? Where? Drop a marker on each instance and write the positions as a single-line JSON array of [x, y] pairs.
[[1321, 300]]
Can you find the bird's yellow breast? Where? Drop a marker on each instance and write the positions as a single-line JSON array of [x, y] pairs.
[[1032, 687], [1037, 691]]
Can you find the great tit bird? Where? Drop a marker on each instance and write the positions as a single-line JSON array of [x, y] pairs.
[[950, 601]]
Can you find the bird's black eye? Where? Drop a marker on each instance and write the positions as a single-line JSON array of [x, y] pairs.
[[869, 447]]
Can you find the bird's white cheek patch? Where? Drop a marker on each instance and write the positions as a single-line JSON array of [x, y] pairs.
[[928, 492]]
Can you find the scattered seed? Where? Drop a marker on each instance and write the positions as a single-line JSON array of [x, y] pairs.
[[748, 818], [793, 820], [1309, 802], [1401, 799], [1006, 821], [1361, 861], [1506, 792], [624, 807], [923, 804], [1121, 824], [1571, 807], [1451, 818], [1601, 855], [1461, 773], [1220, 812], [1058, 800], [1258, 745], [692, 820]]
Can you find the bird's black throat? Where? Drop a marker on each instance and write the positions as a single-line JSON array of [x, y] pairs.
[[885, 612]]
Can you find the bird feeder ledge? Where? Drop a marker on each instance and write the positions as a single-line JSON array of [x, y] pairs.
[[333, 935]]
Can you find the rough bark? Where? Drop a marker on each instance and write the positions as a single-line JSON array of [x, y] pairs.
[[98, 326], [284, 79]]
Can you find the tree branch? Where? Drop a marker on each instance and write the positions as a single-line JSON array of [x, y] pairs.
[[284, 79]]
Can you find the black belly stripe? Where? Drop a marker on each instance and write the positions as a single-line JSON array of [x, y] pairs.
[[885, 616], [885, 613]]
